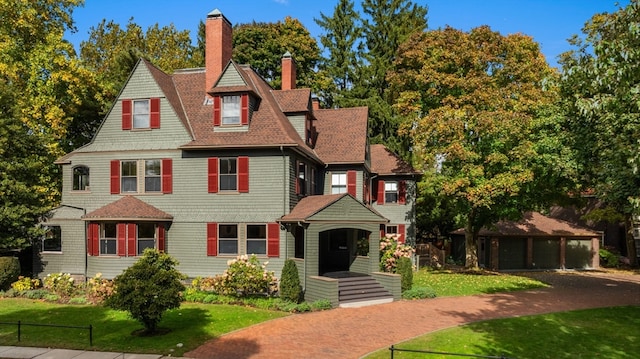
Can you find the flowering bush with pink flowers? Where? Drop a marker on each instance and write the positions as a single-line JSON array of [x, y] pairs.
[[391, 250], [245, 276]]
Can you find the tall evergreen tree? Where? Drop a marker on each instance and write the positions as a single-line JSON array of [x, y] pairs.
[[343, 32]]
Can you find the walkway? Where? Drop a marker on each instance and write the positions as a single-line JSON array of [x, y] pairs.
[[348, 332]]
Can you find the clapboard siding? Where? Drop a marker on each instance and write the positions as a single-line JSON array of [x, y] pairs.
[[231, 77], [391, 282], [71, 258], [347, 208], [322, 288], [401, 213], [299, 123]]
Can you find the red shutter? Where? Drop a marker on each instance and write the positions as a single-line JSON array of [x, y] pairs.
[[216, 110], [243, 174], [121, 233], [244, 109], [126, 115], [380, 192], [401, 232], [213, 175], [132, 249], [93, 239], [115, 177], [155, 113], [273, 240], [212, 239], [402, 192], [351, 183], [167, 175], [161, 235], [383, 229]]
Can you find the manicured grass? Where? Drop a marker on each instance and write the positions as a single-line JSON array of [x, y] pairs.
[[610, 333], [448, 283], [191, 325]]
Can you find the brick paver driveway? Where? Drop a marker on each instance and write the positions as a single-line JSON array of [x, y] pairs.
[[354, 332]]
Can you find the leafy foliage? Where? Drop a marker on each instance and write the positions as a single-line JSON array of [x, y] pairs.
[[24, 284], [405, 269], [9, 271], [61, 284], [391, 250], [245, 276], [478, 107], [148, 288], [600, 92], [290, 288], [419, 293]]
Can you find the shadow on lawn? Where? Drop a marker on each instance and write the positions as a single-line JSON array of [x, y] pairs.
[[112, 330]]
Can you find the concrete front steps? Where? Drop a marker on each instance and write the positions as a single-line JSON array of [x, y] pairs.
[[359, 291]]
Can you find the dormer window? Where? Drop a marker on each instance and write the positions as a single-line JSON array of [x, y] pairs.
[[231, 110], [141, 114]]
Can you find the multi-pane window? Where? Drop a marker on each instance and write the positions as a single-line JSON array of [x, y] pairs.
[[302, 178], [228, 174], [338, 183], [146, 236], [108, 239], [129, 176], [52, 240], [390, 192], [231, 110], [152, 176], [141, 117], [391, 230], [256, 239], [228, 239], [81, 178]]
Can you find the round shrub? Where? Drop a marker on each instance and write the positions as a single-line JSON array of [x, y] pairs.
[[290, 288], [405, 270], [9, 271], [245, 276], [419, 293], [61, 284]]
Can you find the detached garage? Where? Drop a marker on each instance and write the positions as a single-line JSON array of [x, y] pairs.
[[535, 242]]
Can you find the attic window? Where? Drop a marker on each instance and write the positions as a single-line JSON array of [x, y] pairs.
[[231, 110]]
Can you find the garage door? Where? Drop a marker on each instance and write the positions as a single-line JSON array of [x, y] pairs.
[[578, 254], [546, 253], [513, 253]]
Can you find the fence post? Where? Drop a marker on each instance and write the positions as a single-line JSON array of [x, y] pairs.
[[18, 330], [90, 335], [391, 348]]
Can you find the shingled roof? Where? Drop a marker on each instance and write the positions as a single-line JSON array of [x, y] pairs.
[[385, 162], [128, 208], [342, 135], [535, 224]]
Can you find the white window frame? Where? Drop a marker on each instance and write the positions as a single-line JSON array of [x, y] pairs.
[[338, 183], [259, 240], [52, 231], [391, 188], [141, 116], [82, 180], [104, 240], [230, 111], [150, 175], [231, 176], [227, 238]]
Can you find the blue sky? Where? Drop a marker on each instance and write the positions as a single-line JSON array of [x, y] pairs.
[[549, 22]]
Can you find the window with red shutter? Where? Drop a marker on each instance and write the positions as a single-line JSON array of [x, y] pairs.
[[132, 249], [243, 174], [351, 182], [380, 198], [401, 232], [121, 231], [244, 109], [126, 115], [115, 177], [402, 192], [93, 239], [217, 110], [154, 113], [213, 175], [212, 239], [273, 240], [161, 237], [167, 176]]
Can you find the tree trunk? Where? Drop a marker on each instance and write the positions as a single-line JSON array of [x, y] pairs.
[[630, 241], [470, 243]]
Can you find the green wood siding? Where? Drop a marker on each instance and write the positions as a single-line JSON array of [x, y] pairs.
[[347, 209], [391, 282], [298, 122], [231, 77], [402, 213], [322, 288], [71, 259]]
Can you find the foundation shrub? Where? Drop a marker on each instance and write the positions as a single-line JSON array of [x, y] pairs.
[[405, 270], [9, 271], [290, 288]]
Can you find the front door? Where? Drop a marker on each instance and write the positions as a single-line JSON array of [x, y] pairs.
[[335, 251]]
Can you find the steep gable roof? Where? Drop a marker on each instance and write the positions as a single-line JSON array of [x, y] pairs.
[[128, 208], [292, 101], [342, 135], [335, 207], [385, 162]]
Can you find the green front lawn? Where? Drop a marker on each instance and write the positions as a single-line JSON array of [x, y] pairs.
[[610, 333], [450, 283], [191, 325]]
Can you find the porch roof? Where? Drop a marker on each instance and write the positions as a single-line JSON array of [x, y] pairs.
[[535, 224], [128, 208], [342, 208]]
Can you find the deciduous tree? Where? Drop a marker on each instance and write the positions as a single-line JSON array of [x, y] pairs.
[[476, 106], [600, 89]]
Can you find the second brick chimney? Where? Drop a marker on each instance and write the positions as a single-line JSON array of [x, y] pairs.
[[288, 72], [218, 46]]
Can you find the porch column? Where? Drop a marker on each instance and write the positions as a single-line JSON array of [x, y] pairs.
[[530, 252], [495, 254], [374, 252], [563, 252]]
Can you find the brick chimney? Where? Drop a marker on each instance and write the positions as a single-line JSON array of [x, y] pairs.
[[218, 46], [288, 72], [315, 103]]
